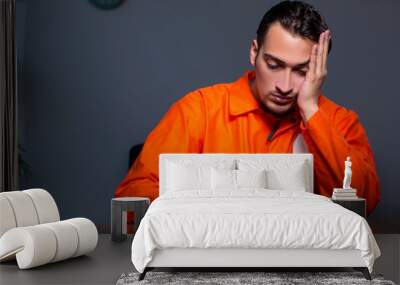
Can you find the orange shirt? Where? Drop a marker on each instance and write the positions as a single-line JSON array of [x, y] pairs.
[[226, 118]]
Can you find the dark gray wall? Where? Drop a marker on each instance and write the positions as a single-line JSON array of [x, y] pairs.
[[95, 82]]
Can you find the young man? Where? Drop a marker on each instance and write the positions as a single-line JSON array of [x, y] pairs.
[[276, 108]]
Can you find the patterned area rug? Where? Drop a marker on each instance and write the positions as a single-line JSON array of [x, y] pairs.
[[230, 278]]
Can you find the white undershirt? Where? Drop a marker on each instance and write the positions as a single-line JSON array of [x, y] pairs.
[[299, 145]]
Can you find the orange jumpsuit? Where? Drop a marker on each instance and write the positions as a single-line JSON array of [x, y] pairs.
[[226, 118]]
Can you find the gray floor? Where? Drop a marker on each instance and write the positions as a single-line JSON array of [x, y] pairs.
[[389, 262], [110, 260], [103, 266]]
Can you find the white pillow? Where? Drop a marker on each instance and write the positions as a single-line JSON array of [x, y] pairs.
[[223, 179], [282, 174], [189, 173], [251, 178], [185, 177], [288, 179], [236, 179]]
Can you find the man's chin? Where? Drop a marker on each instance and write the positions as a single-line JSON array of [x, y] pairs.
[[279, 109]]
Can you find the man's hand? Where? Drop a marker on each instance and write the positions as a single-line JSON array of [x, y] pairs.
[[307, 99]]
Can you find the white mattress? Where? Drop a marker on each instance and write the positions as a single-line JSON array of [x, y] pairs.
[[250, 218]]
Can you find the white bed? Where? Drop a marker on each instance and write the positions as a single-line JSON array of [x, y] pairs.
[[202, 220]]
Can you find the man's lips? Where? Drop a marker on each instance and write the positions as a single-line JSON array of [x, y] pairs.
[[281, 99]]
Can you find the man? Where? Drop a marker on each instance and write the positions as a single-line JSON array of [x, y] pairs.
[[276, 108]]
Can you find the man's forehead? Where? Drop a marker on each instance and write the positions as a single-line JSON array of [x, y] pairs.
[[289, 48]]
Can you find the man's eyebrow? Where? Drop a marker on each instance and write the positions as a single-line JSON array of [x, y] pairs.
[[281, 62]]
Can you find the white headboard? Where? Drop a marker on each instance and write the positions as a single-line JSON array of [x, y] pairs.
[[210, 157]]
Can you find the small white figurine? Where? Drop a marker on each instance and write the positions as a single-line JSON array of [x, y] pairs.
[[347, 174]]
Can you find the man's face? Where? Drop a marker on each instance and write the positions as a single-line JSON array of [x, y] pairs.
[[281, 64]]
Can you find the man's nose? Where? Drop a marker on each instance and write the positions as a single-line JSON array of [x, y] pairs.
[[283, 85]]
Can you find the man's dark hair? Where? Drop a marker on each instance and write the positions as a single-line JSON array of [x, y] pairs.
[[297, 17]]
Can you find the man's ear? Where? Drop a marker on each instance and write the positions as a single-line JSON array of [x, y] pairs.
[[253, 52]]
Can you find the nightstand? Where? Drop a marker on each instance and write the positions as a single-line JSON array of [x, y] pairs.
[[119, 211], [356, 205]]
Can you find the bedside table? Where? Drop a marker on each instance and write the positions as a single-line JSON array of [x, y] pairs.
[[356, 205], [119, 210]]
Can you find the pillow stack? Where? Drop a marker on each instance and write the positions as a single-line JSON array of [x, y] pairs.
[[237, 174], [282, 174]]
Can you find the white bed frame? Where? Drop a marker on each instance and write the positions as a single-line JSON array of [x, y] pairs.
[[249, 257]]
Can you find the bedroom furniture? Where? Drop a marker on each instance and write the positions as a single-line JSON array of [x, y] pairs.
[[31, 231], [119, 208], [282, 171], [356, 205], [110, 259]]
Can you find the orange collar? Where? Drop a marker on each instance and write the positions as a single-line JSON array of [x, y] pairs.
[[241, 99]]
